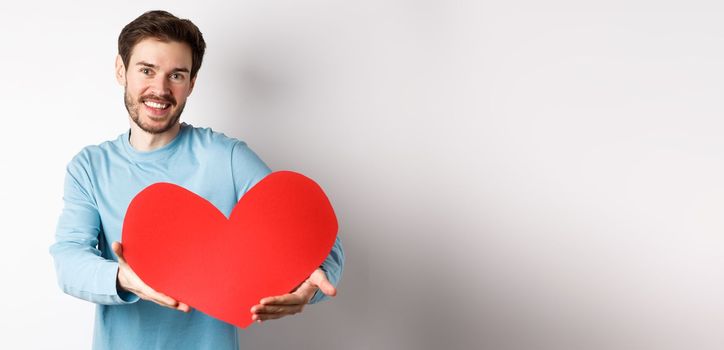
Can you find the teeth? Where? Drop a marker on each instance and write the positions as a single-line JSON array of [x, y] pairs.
[[155, 105]]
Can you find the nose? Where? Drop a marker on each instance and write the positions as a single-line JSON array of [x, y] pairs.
[[160, 86]]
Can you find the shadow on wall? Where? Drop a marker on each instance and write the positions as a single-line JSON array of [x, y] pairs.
[[395, 293], [262, 93], [400, 288]]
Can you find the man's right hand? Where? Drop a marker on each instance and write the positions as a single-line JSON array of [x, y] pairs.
[[128, 280]]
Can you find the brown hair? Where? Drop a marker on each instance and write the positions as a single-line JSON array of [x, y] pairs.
[[164, 27]]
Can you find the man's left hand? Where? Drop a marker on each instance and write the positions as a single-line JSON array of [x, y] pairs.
[[271, 308]]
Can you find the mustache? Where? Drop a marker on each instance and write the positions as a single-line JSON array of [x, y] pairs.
[[165, 98]]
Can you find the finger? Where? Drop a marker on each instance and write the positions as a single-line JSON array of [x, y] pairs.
[[320, 279], [183, 307], [267, 317], [164, 302], [275, 309], [118, 250], [160, 298], [274, 316], [286, 299], [327, 288], [256, 308]]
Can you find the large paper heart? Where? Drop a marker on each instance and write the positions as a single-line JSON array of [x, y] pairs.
[[180, 244]]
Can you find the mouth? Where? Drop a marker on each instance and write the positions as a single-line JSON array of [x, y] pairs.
[[157, 108]]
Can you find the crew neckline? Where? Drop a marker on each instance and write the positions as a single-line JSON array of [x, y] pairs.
[[161, 152]]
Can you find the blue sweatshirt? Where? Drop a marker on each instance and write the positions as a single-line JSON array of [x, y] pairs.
[[100, 182]]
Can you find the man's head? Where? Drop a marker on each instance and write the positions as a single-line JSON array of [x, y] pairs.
[[159, 56]]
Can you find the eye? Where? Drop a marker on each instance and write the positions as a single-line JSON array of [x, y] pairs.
[[145, 71], [176, 76]]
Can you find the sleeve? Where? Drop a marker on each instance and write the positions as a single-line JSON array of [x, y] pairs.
[[81, 270], [247, 170]]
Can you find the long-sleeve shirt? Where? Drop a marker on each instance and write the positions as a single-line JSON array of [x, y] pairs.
[[100, 182]]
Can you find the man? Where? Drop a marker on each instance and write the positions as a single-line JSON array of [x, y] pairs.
[[159, 56]]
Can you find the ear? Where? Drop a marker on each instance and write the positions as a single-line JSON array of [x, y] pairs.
[[120, 71]]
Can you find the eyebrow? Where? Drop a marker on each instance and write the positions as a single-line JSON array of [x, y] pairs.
[[149, 65]]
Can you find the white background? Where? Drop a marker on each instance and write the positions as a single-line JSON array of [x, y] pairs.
[[507, 175]]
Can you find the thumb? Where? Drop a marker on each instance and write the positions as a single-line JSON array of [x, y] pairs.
[[118, 250], [320, 279]]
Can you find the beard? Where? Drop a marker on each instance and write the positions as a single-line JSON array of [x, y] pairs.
[[134, 111]]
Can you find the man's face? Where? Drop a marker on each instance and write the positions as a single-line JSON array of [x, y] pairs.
[[157, 82]]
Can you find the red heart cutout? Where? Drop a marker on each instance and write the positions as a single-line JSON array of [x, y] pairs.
[[180, 244]]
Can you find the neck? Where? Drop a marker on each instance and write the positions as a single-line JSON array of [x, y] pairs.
[[143, 141]]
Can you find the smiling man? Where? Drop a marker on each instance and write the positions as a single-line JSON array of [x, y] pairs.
[[159, 56]]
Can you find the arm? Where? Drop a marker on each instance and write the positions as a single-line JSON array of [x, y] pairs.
[[81, 270]]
